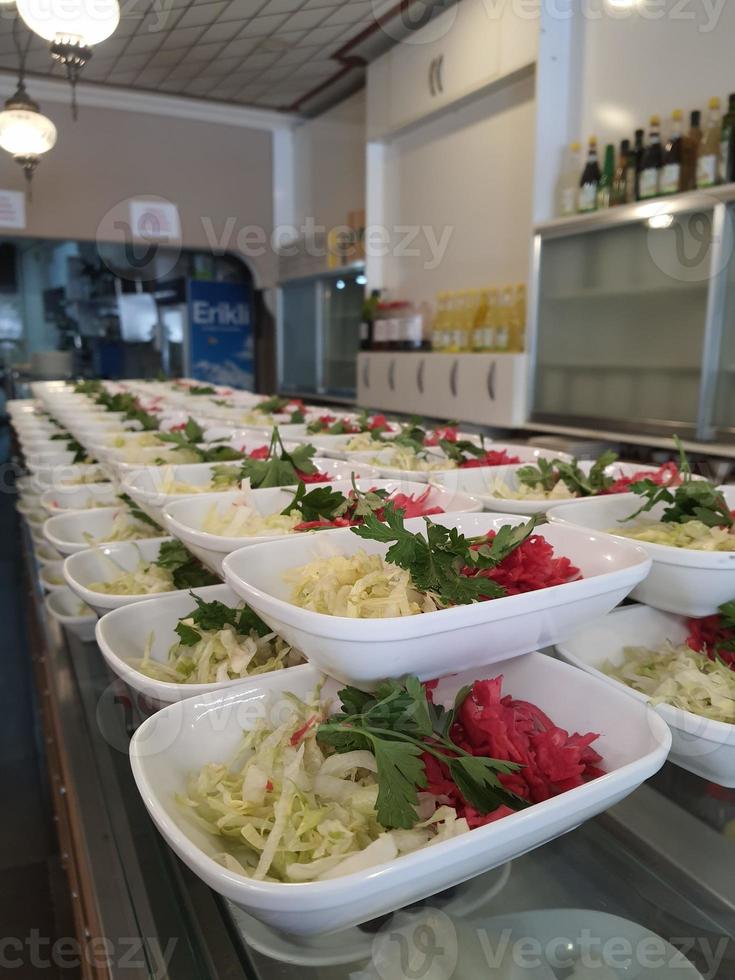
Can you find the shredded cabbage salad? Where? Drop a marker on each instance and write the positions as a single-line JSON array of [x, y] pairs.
[[219, 655], [147, 578], [242, 519], [498, 488], [361, 441], [286, 811], [691, 534], [405, 458], [679, 676], [360, 586], [125, 528], [95, 475], [141, 440]]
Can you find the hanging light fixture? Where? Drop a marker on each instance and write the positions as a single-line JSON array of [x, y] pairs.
[[71, 27], [25, 132]]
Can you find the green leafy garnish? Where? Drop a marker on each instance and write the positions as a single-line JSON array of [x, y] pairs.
[[692, 500], [271, 405], [461, 450], [547, 474], [137, 513], [89, 387], [201, 390], [281, 468], [191, 436], [398, 724], [187, 571], [80, 453], [438, 562], [148, 422], [542, 475], [297, 417], [325, 503], [215, 616]]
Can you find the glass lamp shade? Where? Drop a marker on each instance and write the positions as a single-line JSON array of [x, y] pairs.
[[26, 132], [90, 21]]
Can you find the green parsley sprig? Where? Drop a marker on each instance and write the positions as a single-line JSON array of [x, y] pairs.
[[191, 436], [399, 724], [187, 571], [281, 468], [215, 616]]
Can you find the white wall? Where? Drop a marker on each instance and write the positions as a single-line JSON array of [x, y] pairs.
[[329, 164], [467, 174]]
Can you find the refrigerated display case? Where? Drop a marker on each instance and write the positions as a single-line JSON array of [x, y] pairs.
[[646, 889], [318, 334]]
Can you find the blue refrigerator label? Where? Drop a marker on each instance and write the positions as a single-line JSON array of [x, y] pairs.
[[220, 347]]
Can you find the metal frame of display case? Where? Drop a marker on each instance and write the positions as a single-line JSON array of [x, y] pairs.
[[716, 200]]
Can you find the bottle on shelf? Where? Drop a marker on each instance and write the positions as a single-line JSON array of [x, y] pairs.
[[690, 152], [649, 180], [466, 321], [672, 170], [727, 143], [569, 180], [491, 320], [518, 334], [505, 320], [478, 326], [590, 180], [708, 162], [410, 327], [638, 152], [620, 181], [439, 324], [380, 327], [604, 187], [367, 320]]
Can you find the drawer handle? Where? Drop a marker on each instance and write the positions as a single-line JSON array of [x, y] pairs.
[[392, 375], [432, 69], [438, 74], [491, 381], [366, 373], [420, 377], [453, 379]]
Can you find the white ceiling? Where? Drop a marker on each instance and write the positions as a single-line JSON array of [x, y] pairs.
[[267, 53]]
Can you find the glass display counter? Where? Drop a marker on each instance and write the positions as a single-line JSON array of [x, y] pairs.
[[647, 889]]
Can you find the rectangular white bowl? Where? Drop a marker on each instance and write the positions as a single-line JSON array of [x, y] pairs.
[[94, 565], [122, 635], [480, 481], [66, 532], [54, 477], [63, 605], [527, 454], [91, 496], [52, 570], [146, 484], [682, 580], [362, 651], [700, 745], [634, 742], [184, 518]]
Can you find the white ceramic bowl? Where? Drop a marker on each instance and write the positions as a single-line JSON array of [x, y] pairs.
[[361, 651], [682, 580], [79, 530], [45, 554], [99, 565], [64, 606], [50, 477], [480, 482], [527, 454], [184, 518], [51, 576], [91, 496], [701, 745], [122, 635], [634, 742]]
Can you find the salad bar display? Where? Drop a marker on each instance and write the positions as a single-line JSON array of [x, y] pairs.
[[360, 716]]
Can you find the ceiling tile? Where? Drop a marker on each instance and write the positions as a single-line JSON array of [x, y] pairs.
[[122, 78], [143, 43], [221, 31], [306, 19], [204, 52], [162, 58], [110, 48], [241, 46], [131, 62], [242, 9], [259, 26], [323, 35], [202, 15], [181, 37], [350, 13], [282, 6], [152, 76], [198, 86], [323, 3], [129, 25]]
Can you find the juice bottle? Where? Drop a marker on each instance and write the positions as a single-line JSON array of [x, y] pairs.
[[518, 337], [709, 163], [491, 320], [505, 317], [453, 310], [438, 327], [463, 325], [478, 326]]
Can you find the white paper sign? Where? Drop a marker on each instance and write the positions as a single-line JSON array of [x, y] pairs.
[[12, 209], [155, 220]]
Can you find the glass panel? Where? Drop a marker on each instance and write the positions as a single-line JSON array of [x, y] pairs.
[[342, 303], [621, 321], [723, 415], [299, 337]]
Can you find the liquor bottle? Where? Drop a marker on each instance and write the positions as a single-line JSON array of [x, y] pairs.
[[620, 182], [639, 149], [367, 322], [604, 187], [650, 176], [590, 179], [690, 152], [727, 143], [671, 172], [709, 163], [569, 180]]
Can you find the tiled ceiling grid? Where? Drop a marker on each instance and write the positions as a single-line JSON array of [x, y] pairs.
[[267, 53]]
